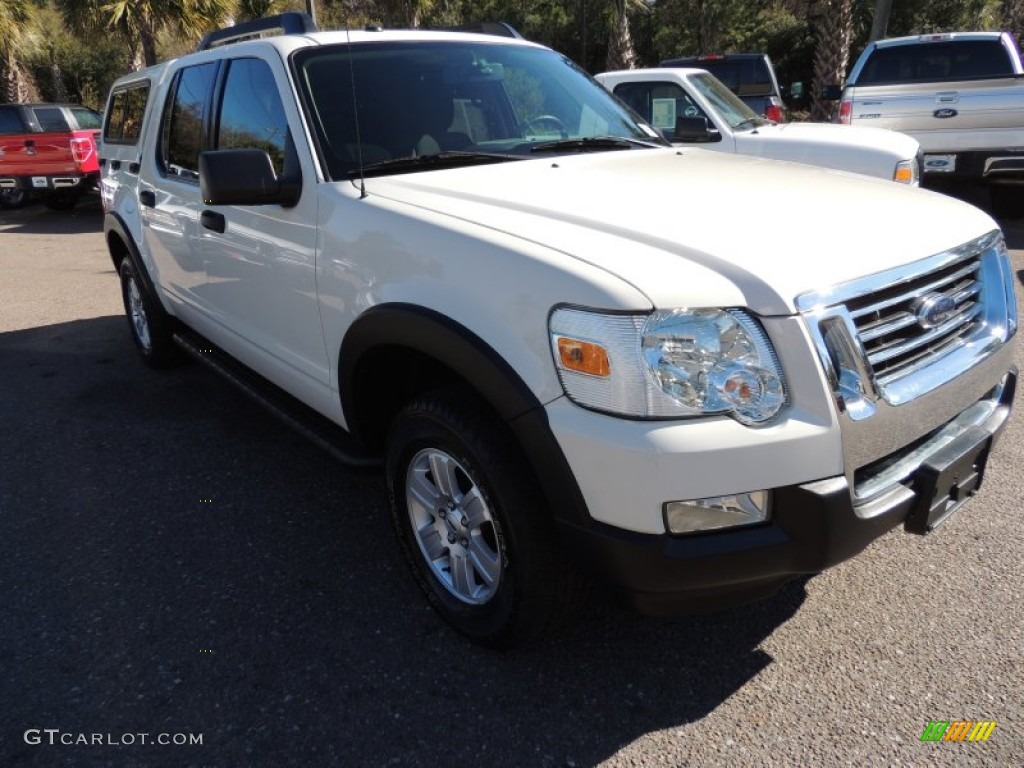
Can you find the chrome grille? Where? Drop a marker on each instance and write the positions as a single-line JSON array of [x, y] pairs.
[[893, 336], [896, 335]]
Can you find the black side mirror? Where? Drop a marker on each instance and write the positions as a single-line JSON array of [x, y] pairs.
[[244, 177], [696, 130], [831, 92]]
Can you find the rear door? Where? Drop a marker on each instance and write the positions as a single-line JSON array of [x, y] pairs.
[[169, 187]]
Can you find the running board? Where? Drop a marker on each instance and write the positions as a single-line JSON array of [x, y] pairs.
[[300, 417]]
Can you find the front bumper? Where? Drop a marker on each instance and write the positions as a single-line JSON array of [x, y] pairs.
[[813, 526]]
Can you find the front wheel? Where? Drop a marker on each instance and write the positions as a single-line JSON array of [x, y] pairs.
[[473, 523]]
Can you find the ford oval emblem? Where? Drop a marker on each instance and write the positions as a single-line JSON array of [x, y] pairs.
[[942, 114], [935, 309]]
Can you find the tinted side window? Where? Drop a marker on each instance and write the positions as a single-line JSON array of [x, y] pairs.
[[51, 119], [182, 138], [87, 119], [660, 104], [124, 120], [10, 121], [746, 77], [251, 113]]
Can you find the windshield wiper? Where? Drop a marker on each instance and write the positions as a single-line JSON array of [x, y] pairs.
[[752, 122], [591, 144], [435, 161]]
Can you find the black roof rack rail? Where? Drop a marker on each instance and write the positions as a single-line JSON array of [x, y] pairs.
[[499, 28], [291, 23]]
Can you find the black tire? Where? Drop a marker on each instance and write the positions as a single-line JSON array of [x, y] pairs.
[[14, 198], [495, 517], [61, 199], [1007, 200], [151, 327]]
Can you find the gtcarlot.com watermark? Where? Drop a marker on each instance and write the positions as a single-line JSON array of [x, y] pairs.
[[55, 736]]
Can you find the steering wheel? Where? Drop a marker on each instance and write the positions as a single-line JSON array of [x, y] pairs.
[[535, 125]]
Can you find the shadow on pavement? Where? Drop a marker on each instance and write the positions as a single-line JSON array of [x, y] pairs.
[[173, 560], [36, 219]]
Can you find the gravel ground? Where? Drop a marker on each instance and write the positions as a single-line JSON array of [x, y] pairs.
[[173, 561]]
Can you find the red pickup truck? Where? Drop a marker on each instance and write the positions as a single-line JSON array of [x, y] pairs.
[[48, 149]]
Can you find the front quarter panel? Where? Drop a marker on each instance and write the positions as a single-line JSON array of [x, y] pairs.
[[501, 287]]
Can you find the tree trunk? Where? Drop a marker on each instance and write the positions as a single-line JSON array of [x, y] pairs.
[[16, 87], [1013, 17], [60, 91], [147, 41], [880, 23], [832, 53], [621, 54]]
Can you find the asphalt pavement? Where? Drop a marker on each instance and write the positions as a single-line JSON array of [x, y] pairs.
[[177, 566]]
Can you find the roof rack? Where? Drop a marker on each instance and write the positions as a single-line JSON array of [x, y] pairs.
[[289, 23]]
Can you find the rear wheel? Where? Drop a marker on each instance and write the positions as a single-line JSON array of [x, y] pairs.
[[13, 198], [151, 327], [473, 523], [62, 199], [1007, 200]]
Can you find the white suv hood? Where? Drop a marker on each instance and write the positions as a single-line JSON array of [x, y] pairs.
[[875, 151], [772, 230]]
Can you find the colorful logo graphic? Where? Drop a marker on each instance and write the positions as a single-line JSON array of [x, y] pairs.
[[958, 730]]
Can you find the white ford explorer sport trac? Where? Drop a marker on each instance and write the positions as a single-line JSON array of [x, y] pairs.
[[459, 257]]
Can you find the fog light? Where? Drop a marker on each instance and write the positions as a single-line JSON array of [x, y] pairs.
[[716, 512]]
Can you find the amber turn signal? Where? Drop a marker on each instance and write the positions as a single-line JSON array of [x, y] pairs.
[[583, 357]]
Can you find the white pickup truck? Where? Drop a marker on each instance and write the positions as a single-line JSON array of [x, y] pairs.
[[960, 94], [691, 106], [570, 345]]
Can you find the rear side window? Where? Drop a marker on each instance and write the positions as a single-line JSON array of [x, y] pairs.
[[51, 119], [10, 121], [935, 62], [251, 114], [87, 119], [182, 138], [124, 118]]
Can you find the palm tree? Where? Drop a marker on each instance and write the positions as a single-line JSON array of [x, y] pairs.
[[17, 39], [257, 9], [139, 21], [621, 53], [834, 29]]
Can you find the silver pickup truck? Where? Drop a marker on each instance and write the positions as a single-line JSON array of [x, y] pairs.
[[961, 95]]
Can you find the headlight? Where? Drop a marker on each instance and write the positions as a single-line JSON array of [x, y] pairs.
[[669, 364], [907, 172]]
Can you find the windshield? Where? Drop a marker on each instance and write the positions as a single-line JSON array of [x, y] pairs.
[[429, 98], [731, 108]]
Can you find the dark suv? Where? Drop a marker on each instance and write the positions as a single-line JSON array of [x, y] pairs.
[[749, 75]]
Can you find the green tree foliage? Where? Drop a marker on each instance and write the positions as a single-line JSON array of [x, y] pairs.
[[139, 22], [70, 68], [19, 40], [90, 42]]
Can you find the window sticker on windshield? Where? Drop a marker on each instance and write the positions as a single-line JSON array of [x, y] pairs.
[[663, 113]]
